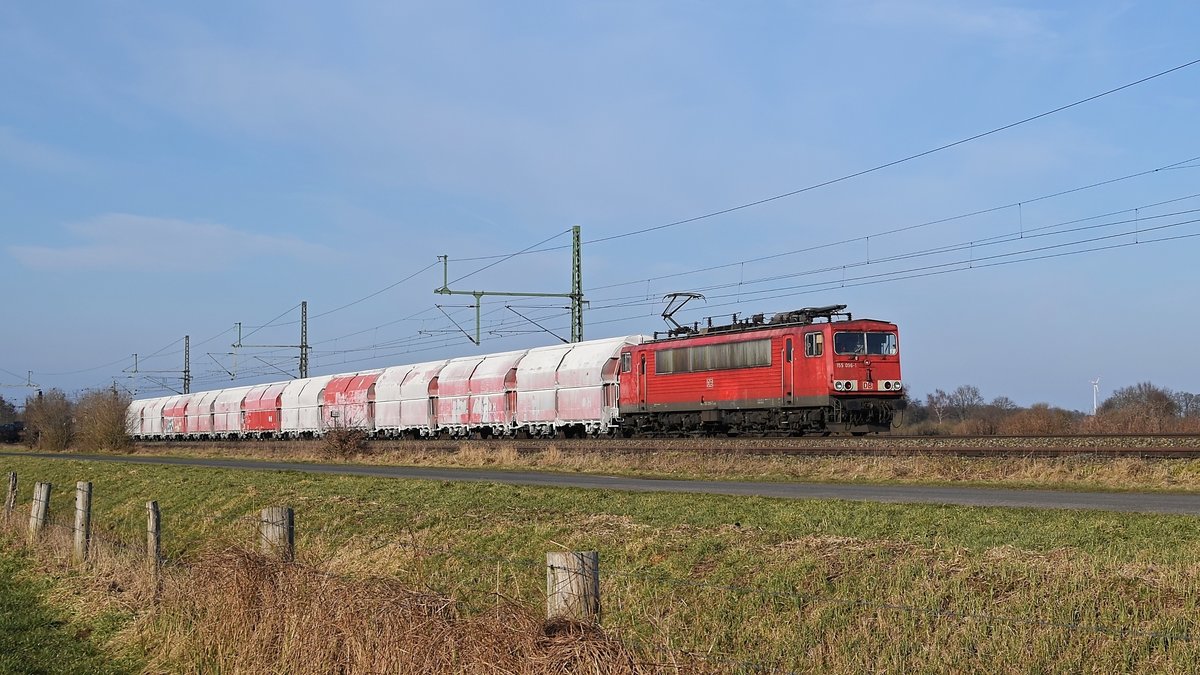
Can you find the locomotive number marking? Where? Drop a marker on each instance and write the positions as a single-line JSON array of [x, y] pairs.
[[708, 383]]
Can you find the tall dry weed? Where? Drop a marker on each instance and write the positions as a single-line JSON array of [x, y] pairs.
[[100, 417], [49, 421], [342, 442], [473, 454], [241, 612], [551, 456]]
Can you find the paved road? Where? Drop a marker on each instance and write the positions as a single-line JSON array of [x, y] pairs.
[[911, 494]]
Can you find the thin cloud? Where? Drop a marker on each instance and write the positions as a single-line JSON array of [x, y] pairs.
[[16, 149], [128, 241], [999, 22]]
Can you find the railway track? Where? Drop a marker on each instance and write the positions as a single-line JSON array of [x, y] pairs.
[[1164, 446]]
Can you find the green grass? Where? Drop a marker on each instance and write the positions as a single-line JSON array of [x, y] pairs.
[[34, 638], [817, 585]]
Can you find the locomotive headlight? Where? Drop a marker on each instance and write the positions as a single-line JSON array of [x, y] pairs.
[[838, 385], [887, 385]]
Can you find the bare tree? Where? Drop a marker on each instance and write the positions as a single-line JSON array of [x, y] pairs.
[[1142, 407], [938, 404], [8, 412], [49, 421], [965, 400], [1188, 404], [1004, 404], [1042, 418], [915, 411], [101, 419]]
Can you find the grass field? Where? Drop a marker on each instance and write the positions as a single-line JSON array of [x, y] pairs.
[[35, 638], [726, 583], [1070, 473]]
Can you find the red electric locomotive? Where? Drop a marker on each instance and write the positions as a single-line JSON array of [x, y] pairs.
[[813, 370]]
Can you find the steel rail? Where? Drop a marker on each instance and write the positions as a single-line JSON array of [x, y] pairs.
[[1149, 446]]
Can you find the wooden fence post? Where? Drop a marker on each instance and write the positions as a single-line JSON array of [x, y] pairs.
[[573, 586], [39, 511], [83, 519], [277, 532], [153, 539], [10, 504]]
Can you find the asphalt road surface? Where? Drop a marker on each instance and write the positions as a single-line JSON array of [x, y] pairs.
[[1147, 502]]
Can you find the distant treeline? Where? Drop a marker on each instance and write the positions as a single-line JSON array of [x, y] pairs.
[[96, 419], [1141, 408], [53, 421]]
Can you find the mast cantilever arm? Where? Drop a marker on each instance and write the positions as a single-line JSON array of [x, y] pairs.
[[575, 296]]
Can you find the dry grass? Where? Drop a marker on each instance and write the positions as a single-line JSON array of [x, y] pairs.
[[1085, 472], [234, 610], [242, 612], [343, 443], [688, 582], [100, 420]]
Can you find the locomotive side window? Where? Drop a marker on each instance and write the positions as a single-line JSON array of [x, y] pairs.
[[724, 356], [626, 361], [874, 344], [788, 350], [814, 344]]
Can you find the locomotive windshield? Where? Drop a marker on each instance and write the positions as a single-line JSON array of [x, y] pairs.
[[872, 344]]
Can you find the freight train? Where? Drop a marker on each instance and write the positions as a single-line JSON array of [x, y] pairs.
[[809, 371]]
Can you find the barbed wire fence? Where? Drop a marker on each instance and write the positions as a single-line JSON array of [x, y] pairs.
[[573, 591]]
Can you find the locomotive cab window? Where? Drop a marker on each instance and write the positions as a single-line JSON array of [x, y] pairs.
[[881, 344], [626, 362], [814, 344], [873, 344]]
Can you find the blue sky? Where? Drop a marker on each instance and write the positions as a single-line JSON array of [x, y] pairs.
[[169, 170]]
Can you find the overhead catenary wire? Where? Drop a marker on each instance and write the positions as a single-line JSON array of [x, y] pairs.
[[510, 256], [946, 248], [748, 292], [902, 160], [976, 212], [905, 228], [272, 321], [497, 328], [863, 172], [425, 343], [534, 249], [376, 293], [925, 271], [962, 265], [214, 337], [5, 370]]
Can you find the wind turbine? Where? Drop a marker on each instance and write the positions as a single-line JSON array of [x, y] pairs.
[[1095, 395]]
